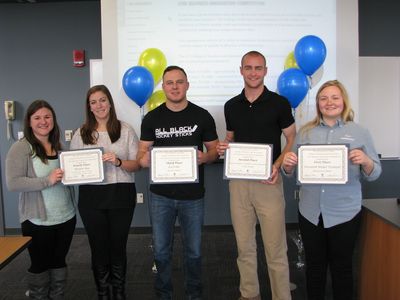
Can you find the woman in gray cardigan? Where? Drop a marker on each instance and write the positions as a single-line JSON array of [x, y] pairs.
[[46, 208]]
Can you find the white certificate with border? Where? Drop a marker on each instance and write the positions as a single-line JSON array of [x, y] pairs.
[[82, 166], [248, 161], [322, 164], [173, 165]]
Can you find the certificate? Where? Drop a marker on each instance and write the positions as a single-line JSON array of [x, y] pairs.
[[323, 164], [174, 165], [82, 166], [248, 161]]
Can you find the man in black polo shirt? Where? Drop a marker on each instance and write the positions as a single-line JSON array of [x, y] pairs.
[[258, 115]]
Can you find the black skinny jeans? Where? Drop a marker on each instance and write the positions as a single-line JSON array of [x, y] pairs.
[[107, 230], [49, 245], [331, 247]]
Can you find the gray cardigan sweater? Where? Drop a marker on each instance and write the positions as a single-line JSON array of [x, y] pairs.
[[21, 177]]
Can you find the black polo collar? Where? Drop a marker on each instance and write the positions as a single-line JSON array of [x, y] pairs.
[[263, 97]]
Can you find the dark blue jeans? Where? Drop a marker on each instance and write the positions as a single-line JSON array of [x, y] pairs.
[[190, 213]]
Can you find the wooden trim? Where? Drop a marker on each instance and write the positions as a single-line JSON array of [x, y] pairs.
[[380, 259]]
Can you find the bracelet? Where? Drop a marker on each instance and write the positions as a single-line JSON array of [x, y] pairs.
[[119, 162]]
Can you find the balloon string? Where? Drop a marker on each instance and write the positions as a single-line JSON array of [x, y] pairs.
[[300, 111], [142, 112], [308, 103]]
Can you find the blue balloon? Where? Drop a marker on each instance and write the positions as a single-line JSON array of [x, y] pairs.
[[293, 84], [310, 53], [138, 84]]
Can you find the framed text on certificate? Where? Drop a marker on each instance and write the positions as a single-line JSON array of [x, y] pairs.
[[248, 161], [82, 166], [173, 165], [322, 164]]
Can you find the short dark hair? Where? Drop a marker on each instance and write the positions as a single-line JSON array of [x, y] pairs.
[[172, 68], [253, 53], [54, 135]]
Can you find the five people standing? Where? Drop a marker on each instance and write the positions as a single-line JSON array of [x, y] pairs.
[[329, 215]]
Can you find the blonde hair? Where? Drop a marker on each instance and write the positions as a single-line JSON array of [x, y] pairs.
[[347, 113]]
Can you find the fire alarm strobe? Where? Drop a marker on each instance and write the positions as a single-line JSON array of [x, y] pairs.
[[78, 57]]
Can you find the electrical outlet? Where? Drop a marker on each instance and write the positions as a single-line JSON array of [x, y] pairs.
[[139, 198], [20, 135], [68, 135]]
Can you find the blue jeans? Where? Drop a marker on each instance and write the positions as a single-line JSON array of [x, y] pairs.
[[190, 214]]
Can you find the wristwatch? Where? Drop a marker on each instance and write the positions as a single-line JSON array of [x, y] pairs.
[[119, 162]]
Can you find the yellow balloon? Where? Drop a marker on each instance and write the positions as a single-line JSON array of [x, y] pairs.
[[156, 99], [290, 61], [153, 60]]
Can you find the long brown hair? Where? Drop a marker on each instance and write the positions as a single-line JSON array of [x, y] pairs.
[[347, 113], [54, 135], [88, 129]]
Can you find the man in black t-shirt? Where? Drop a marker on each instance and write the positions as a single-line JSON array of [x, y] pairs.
[[176, 123], [259, 116]]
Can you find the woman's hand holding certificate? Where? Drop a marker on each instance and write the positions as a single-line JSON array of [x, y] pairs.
[[82, 166], [323, 164]]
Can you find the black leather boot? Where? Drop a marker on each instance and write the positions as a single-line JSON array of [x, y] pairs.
[[118, 273], [102, 278], [58, 280]]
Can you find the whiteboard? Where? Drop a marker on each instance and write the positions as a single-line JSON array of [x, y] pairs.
[[343, 46]]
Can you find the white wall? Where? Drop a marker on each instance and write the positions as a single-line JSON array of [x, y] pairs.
[[347, 48], [380, 102], [373, 83]]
